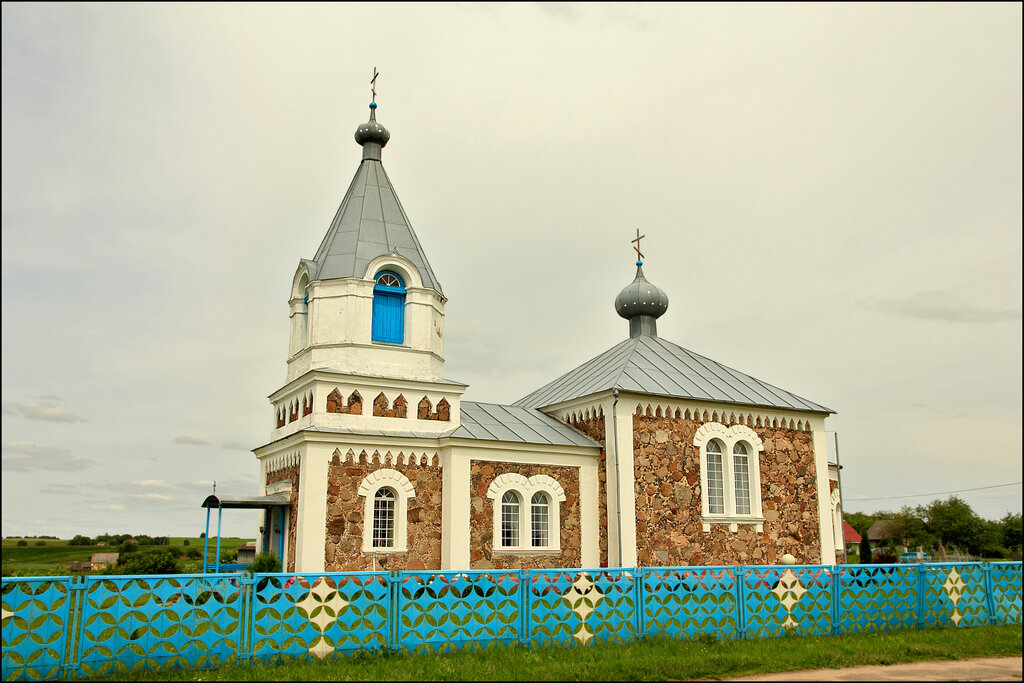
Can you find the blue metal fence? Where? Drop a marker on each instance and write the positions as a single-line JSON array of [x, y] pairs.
[[59, 627]]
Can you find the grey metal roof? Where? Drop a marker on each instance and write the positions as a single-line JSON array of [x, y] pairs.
[[245, 502], [493, 422], [652, 365], [369, 223]]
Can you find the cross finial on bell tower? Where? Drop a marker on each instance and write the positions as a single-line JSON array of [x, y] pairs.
[[639, 256], [373, 85]]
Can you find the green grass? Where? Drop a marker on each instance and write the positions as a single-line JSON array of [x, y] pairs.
[[52, 558], [650, 659]]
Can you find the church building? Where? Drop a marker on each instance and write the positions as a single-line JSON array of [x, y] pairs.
[[648, 454]]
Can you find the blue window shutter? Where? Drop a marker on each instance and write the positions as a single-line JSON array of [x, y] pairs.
[[388, 317]]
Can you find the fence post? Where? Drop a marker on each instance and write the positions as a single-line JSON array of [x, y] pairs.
[[638, 602], [524, 606], [921, 587], [741, 612], [394, 607], [836, 586], [76, 590], [244, 610], [990, 604]]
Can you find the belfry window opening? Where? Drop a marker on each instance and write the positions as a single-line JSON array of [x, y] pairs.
[[388, 308]]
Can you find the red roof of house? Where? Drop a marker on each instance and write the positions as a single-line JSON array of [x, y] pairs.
[[850, 534]]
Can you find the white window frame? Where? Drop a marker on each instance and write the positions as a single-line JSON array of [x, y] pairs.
[[525, 488], [404, 490], [729, 437]]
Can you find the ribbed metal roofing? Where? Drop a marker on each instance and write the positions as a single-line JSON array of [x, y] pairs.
[[493, 422], [369, 223], [652, 365]]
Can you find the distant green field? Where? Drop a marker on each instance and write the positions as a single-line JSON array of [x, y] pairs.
[[54, 557]]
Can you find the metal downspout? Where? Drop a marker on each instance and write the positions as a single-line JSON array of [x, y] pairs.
[[618, 478]]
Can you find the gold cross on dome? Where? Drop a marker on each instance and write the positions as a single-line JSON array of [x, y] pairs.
[[639, 256], [373, 85]]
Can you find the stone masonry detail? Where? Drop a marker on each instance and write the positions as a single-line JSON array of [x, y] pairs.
[[481, 535], [668, 504], [289, 474], [345, 510], [337, 404]]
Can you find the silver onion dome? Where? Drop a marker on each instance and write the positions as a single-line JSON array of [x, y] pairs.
[[640, 297], [371, 131]]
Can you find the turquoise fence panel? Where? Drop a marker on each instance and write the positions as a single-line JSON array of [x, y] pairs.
[[306, 616], [442, 611], [575, 606], [787, 600], [875, 597], [36, 623], [136, 623], [1006, 591], [683, 602], [954, 594]]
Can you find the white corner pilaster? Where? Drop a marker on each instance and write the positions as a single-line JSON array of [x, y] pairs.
[[590, 516], [455, 510], [620, 491], [825, 530], [311, 530]]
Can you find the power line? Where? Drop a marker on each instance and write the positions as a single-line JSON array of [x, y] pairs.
[[940, 493]]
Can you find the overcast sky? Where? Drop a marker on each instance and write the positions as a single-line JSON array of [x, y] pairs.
[[831, 197]]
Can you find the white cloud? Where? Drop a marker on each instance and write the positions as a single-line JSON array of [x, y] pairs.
[[190, 441], [46, 412]]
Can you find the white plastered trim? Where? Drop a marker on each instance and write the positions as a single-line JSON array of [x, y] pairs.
[[398, 264], [526, 488], [404, 490], [729, 436]]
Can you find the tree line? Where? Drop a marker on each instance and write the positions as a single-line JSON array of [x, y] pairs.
[[949, 524]]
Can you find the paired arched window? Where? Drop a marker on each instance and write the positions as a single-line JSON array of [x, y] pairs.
[[386, 511], [388, 308], [526, 512], [729, 473]]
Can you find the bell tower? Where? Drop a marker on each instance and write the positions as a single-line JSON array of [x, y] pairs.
[[368, 302]]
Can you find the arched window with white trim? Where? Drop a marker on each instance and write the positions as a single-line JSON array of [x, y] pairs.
[[510, 520], [729, 475], [386, 511], [741, 475], [526, 513], [539, 516], [384, 518]]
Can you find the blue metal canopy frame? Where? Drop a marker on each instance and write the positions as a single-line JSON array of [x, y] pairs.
[[265, 503]]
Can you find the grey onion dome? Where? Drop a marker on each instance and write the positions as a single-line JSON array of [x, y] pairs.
[[641, 298], [371, 131]]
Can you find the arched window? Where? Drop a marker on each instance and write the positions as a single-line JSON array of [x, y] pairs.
[[729, 475], [741, 473], [388, 308], [385, 525], [716, 479], [510, 520], [384, 518], [539, 514], [526, 513]]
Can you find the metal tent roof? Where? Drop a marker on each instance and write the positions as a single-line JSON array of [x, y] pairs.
[[651, 365], [246, 502], [369, 223]]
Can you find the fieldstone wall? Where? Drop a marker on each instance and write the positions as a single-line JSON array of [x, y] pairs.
[[668, 499], [285, 474], [345, 511], [594, 428], [481, 526]]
